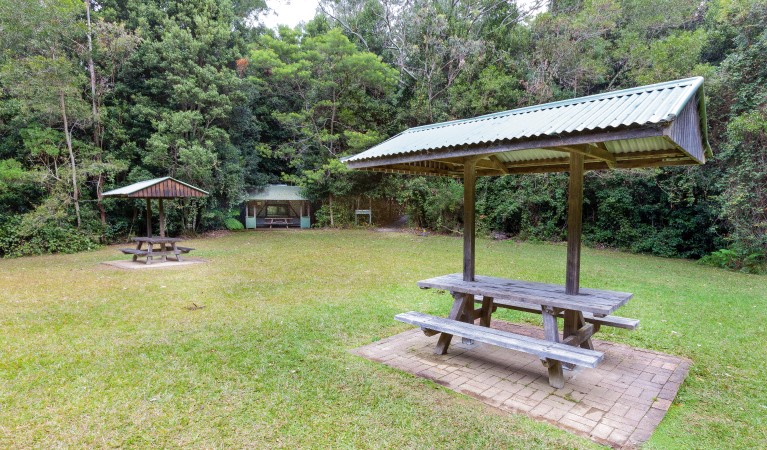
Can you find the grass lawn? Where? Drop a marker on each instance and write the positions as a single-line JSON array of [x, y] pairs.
[[98, 357]]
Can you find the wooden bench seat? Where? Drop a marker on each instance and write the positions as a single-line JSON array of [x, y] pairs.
[[608, 321], [133, 251], [541, 348], [184, 249]]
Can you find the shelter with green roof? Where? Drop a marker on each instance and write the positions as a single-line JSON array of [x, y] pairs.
[[657, 125], [277, 205]]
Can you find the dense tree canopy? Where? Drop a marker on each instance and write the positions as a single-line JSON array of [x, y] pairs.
[[95, 94]]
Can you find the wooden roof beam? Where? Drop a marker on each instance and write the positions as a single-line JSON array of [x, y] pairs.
[[596, 151], [498, 164]]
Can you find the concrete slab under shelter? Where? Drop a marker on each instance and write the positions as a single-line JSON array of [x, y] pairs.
[[619, 403], [127, 264]]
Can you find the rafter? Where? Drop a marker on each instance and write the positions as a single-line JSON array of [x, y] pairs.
[[596, 151]]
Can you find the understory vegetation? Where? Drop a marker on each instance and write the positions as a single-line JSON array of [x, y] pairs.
[[97, 94], [251, 349]]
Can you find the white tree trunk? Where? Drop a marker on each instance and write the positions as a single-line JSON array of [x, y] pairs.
[[72, 162]]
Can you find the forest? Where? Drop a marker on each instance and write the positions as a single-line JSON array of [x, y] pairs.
[[99, 94]]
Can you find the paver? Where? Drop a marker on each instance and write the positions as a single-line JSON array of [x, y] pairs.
[[593, 411]]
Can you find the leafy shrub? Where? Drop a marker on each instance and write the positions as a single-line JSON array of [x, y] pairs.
[[732, 259], [17, 240], [233, 224]]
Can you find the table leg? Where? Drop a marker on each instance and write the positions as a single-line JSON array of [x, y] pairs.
[[176, 252], [550, 329], [461, 304], [138, 247], [487, 311], [149, 249]]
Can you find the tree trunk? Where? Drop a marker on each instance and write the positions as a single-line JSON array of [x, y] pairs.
[[72, 162], [330, 203], [95, 113]]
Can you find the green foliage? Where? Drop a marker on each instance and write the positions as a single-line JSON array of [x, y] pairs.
[[233, 224], [735, 260], [434, 203], [190, 89], [18, 239]]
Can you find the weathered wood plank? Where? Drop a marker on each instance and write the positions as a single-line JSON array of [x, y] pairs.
[[539, 347], [580, 336], [610, 321], [133, 251], [598, 302]]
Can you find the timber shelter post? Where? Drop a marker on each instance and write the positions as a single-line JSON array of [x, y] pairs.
[[469, 189], [149, 217], [162, 218], [574, 223]]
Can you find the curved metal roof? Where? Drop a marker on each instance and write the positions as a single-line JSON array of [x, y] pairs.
[[638, 127]]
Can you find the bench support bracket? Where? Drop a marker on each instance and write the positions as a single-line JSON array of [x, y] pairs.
[[550, 329], [463, 310]]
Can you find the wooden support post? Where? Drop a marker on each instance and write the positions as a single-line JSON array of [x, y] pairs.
[[577, 332], [469, 188], [574, 224], [149, 217], [162, 219], [462, 304], [556, 377], [487, 311]]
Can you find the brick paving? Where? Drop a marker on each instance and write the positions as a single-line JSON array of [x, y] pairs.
[[620, 403]]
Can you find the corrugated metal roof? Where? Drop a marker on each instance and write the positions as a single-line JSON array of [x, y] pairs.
[[655, 106], [281, 192], [141, 185]]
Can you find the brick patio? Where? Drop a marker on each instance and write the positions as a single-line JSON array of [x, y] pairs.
[[620, 403]]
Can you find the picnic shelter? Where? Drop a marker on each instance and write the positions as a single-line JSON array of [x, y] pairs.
[[657, 125], [165, 188], [277, 205]]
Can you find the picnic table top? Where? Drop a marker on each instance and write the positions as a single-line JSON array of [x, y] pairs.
[[598, 302], [156, 239]]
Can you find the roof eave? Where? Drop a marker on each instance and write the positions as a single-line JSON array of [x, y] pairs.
[[636, 132]]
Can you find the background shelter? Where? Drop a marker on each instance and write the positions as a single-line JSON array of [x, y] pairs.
[[648, 126], [277, 204], [159, 189]]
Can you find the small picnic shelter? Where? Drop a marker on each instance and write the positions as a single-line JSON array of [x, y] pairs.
[[649, 126], [277, 205], [165, 188]]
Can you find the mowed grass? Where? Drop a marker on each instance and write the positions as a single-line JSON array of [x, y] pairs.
[[93, 356]]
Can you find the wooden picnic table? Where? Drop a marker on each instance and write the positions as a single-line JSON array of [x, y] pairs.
[[584, 313], [278, 221], [167, 247]]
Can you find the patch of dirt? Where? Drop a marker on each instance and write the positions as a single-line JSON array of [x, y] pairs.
[[215, 234]]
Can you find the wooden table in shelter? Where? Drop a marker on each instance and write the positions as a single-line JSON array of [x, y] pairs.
[[278, 221], [166, 247], [583, 314]]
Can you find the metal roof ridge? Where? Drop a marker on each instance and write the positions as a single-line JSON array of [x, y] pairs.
[[681, 83]]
